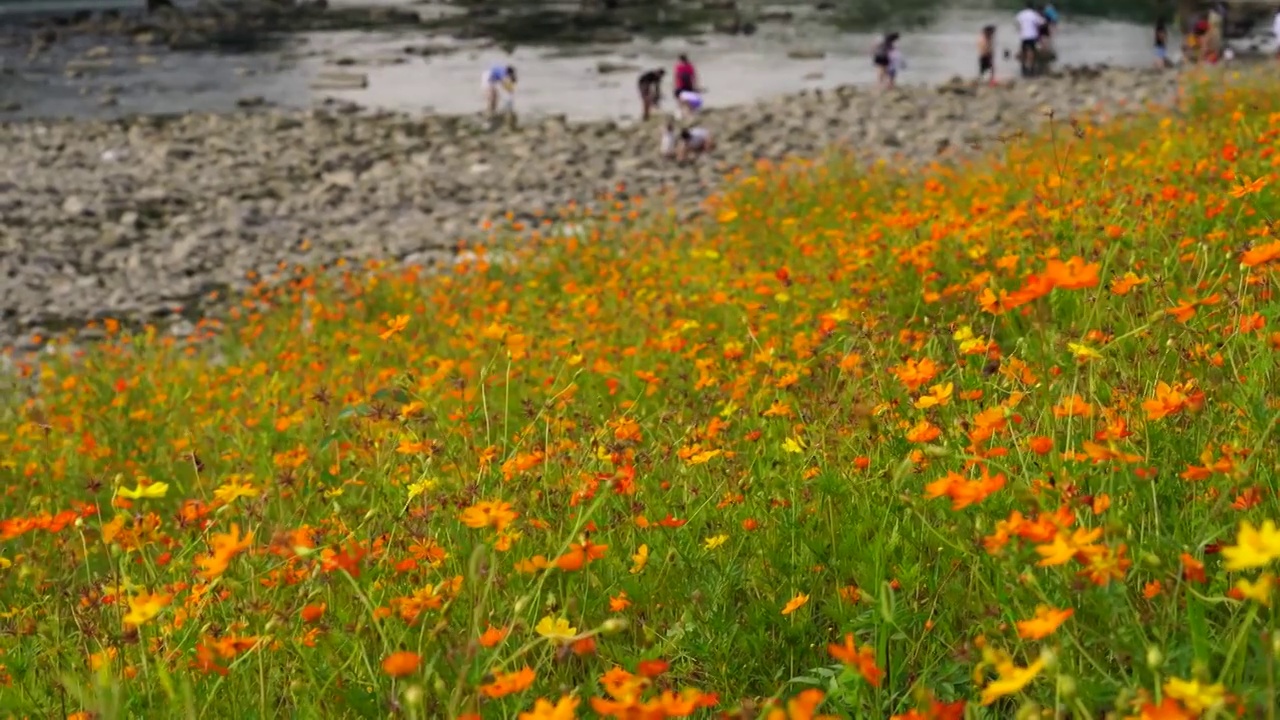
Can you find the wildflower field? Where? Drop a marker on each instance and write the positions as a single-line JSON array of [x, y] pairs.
[[982, 442]]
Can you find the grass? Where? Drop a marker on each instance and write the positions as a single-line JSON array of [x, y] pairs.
[[985, 442]]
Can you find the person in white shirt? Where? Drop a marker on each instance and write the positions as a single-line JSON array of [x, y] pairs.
[[1029, 21], [694, 141], [1275, 30]]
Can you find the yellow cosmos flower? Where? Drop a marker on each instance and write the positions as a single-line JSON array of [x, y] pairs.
[[144, 607], [640, 559], [154, 491], [1255, 546], [1195, 695], [1011, 678], [557, 630]]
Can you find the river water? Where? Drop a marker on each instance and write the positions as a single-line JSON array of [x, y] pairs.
[[735, 69]]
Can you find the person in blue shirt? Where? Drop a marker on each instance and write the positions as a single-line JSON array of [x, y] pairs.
[[1050, 14], [498, 78]]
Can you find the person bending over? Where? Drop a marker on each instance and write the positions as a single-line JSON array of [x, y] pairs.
[[650, 91], [694, 142], [690, 103], [499, 79]]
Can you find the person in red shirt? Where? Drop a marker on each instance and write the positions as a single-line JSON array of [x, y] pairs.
[[686, 77]]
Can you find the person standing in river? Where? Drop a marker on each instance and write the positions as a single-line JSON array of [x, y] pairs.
[[987, 55], [1275, 30], [888, 59], [1162, 44], [651, 90], [686, 78], [1029, 22]]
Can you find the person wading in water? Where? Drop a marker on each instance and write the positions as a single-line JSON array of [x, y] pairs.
[[987, 55], [1029, 24]]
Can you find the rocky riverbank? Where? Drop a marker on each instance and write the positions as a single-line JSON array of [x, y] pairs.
[[140, 219]]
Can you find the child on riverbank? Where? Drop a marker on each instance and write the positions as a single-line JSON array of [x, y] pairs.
[[667, 145], [500, 80], [694, 141], [987, 55]]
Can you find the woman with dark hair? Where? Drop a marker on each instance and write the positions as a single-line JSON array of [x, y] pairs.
[[887, 58], [650, 90], [1162, 44]]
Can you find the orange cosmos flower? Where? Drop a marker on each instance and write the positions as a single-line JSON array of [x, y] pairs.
[[962, 492], [1261, 255], [505, 683], [489, 513], [1063, 548], [795, 603], [312, 613], [915, 373], [492, 636], [580, 554], [1169, 400], [863, 658], [394, 325], [1074, 274], [923, 432], [1248, 187], [400, 664], [652, 668], [801, 707], [566, 708], [1045, 623]]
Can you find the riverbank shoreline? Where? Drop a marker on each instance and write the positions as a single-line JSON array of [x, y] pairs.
[[144, 219]]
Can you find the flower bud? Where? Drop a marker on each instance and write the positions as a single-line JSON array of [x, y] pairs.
[[1155, 658], [1050, 659], [613, 625], [1066, 686]]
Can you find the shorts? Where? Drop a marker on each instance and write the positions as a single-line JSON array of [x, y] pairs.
[[488, 84], [1030, 44], [881, 61], [1162, 53], [986, 64]]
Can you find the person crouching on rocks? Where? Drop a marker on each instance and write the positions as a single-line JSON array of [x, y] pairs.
[[690, 103], [987, 55], [651, 90], [500, 79], [694, 141], [888, 58]]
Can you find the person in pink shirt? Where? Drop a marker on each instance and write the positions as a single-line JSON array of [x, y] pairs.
[[686, 79]]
